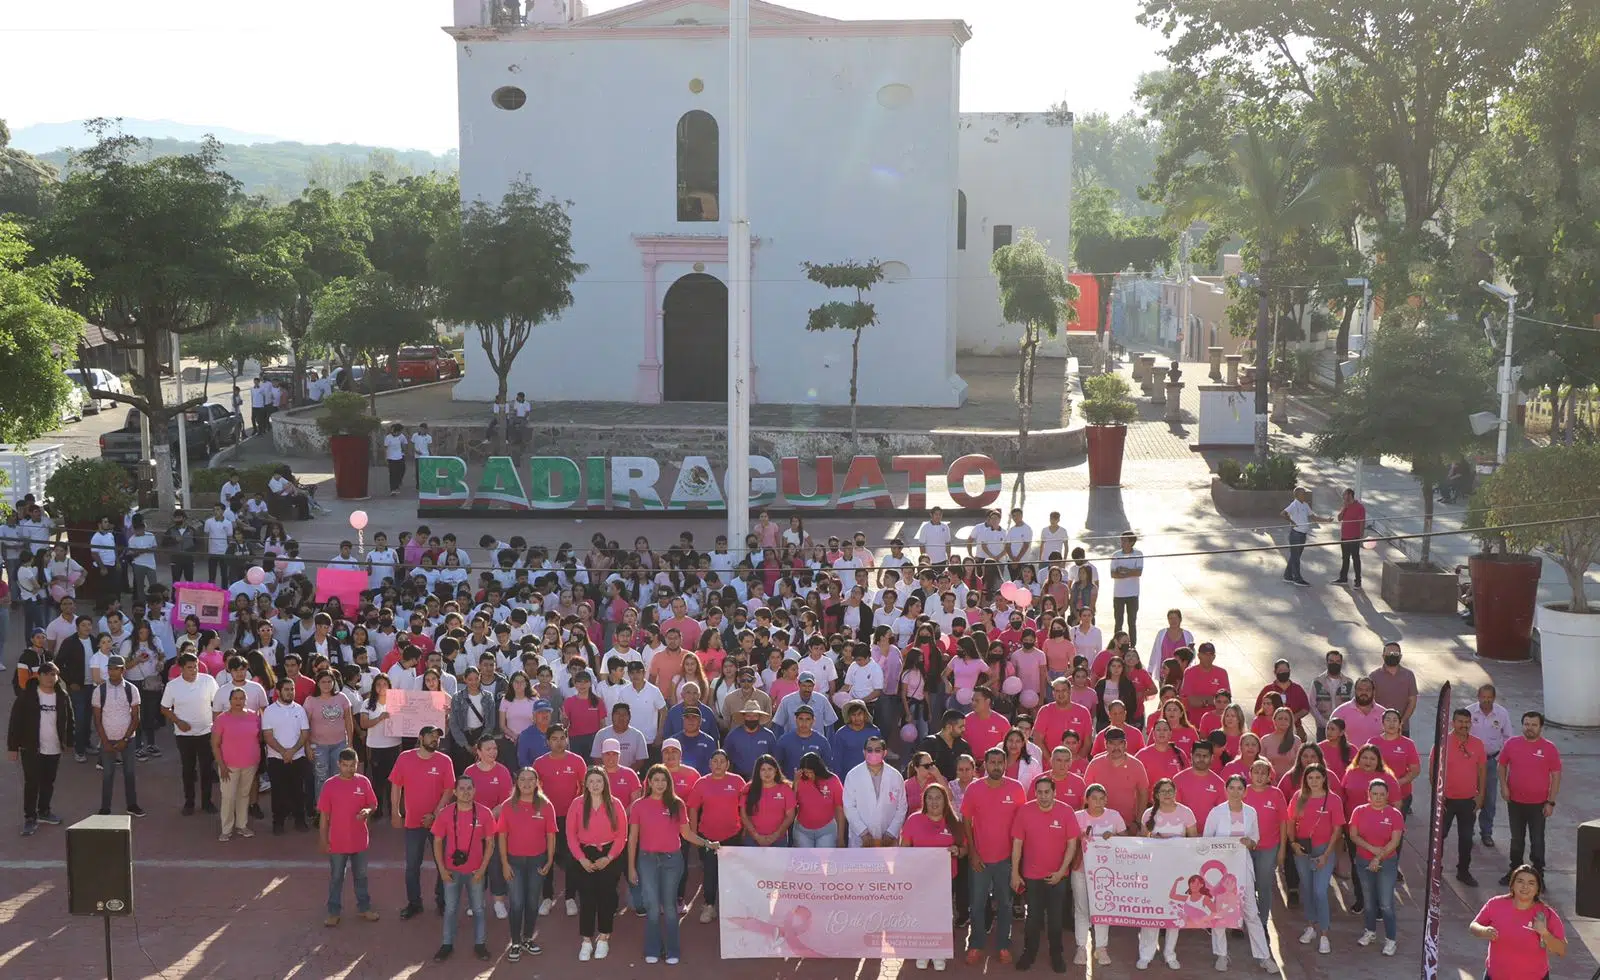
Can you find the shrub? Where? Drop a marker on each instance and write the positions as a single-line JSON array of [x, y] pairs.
[[1107, 400], [344, 413], [1540, 500], [1228, 471], [252, 478], [1279, 473], [83, 490]]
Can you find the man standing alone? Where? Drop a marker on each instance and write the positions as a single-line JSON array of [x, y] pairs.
[[346, 803], [1299, 516]]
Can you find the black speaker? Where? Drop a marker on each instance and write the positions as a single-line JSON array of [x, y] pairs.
[[100, 866], [1588, 904]]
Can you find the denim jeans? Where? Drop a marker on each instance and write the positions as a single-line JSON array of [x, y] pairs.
[[325, 761], [1379, 889], [917, 714], [464, 881], [35, 615], [1266, 869], [1314, 884], [826, 836], [108, 778], [1491, 799], [659, 874], [5, 627], [419, 848], [526, 886], [1297, 546], [994, 880], [357, 864], [150, 718], [82, 718]]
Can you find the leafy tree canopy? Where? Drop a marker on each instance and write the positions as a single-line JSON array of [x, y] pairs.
[[38, 337]]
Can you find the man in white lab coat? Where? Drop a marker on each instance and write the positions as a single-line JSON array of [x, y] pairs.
[[874, 800]]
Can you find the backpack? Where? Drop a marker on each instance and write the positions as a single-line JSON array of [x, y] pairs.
[[127, 692]]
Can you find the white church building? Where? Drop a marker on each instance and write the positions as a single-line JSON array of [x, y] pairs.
[[857, 150]]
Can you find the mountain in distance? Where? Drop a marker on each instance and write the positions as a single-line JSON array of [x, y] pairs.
[[42, 138]]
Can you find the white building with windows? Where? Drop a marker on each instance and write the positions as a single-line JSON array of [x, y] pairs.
[[856, 150]]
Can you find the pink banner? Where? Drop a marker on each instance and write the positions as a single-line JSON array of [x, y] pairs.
[[835, 903], [346, 583], [202, 599], [1168, 883]]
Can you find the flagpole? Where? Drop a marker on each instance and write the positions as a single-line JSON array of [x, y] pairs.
[[738, 275]]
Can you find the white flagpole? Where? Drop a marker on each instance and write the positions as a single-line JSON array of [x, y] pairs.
[[738, 275]]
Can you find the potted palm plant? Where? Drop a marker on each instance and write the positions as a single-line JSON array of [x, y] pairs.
[[1108, 407], [1540, 501], [349, 428]]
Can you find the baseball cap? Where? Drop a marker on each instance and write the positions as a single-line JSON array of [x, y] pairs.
[[611, 745], [807, 677], [691, 710], [425, 729], [672, 743], [805, 709], [541, 705]]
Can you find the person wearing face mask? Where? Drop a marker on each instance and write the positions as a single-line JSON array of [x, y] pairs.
[[874, 799], [1029, 661], [1330, 689], [1395, 686], [1363, 715]]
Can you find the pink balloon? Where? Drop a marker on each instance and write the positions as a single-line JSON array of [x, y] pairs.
[[908, 733], [256, 575], [964, 696], [841, 698], [1011, 686], [1029, 699], [1009, 590], [1025, 598], [358, 519]]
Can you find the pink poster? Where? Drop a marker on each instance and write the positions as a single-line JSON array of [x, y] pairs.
[[346, 583], [835, 903], [202, 599], [1176, 883]]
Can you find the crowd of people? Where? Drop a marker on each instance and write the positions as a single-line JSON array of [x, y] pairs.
[[617, 715]]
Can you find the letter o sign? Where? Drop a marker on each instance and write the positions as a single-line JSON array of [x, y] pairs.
[[969, 466]]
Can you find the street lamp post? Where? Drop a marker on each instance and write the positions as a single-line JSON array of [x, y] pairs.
[[738, 274], [1510, 298], [1366, 310]]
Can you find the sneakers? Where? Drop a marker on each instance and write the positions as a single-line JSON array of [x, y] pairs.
[[1004, 957], [572, 906], [368, 916], [602, 947], [1486, 840], [974, 957], [1268, 965], [640, 912], [481, 952], [1172, 963], [1388, 947], [331, 921], [1367, 936], [443, 953], [136, 811], [409, 912], [500, 910], [1309, 936], [1081, 956], [546, 905], [938, 966], [514, 952], [155, 751], [672, 961], [1323, 946], [1142, 965], [922, 964], [1222, 964], [586, 951], [224, 838], [50, 818], [30, 827], [80, 757], [708, 913], [1465, 877], [1101, 957], [532, 948], [247, 832], [652, 959], [142, 754]]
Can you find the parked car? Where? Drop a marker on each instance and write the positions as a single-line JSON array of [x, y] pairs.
[[418, 365], [98, 378], [208, 428], [74, 408]]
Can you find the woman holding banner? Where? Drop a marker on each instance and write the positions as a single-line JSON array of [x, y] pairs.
[[1096, 821], [658, 823], [1236, 818], [1167, 818]]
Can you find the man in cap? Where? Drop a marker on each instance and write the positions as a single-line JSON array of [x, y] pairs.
[[533, 742], [690, 696], [821, 708], [751, 740], [39, 732], [694, 741], [803, 738], [116, 712]]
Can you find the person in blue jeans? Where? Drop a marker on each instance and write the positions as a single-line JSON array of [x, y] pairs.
[[116, 720], [657, 823], [1315, 823], [526, 838], [463, 846], [346, 803], [818, 794], [1376, 829]]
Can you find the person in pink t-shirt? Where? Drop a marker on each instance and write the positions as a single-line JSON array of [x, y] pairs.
[[236, 745], [1530, 780], [597, 835], [494, 786], [1522, 930], [769, 806], [463, 849], [525, 839], [657, 824], [1376, 829], [346, 802], [1044, 841]]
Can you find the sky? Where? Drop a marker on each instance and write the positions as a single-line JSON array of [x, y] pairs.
[[326, 71]]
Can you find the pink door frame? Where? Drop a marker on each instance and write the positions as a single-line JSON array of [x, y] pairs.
[[654, 250]]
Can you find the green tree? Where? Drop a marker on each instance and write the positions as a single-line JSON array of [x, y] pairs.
[[1119, 154], [853, 316], [1542, 497], [27, 184], [231, 347], [166, 254], [505, 269], [1421, 379], [361, 317], [406, 218], [1106, 242], [1035, 295], [1273, 191], [38, 337]]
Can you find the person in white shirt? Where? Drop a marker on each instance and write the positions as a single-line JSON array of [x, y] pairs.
[[103, 561], [864, 677], [403, 675], [1299, 516], [381, 561], [646, 703], [421, 445], [286, 730], [874, 799], [394, 454], [115, 703], [1491, 724], [218, 530], [238, 678], [187, 703], [231, 488], [1127, 568], [141, 546], [1236, 818], [258, 401], [934, 537], [1019, 542], [988, 541], [1053, 542]]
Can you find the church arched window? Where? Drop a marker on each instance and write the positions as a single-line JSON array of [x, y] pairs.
[[698, 167]]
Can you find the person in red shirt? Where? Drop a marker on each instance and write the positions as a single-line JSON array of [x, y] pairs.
[[346, 802], [1117, 715], [769, 806], [935, 824], [1162, 758], [1124, 777], [493, 783], [597, 833], [625, 783], [1184, 733], [1352, 518], [561, 777], [1523, 932], [1069, 785], [1294, 696], [714, 806], [420, 784], [1268, 854], [1376, 829], [986, 728], [585, 714], [1199, 788], [1061, 715], [1314, 824], [525, 839], [304, 686], [1400, 756], [1044, 839], [658, 823], [463, 847], [1465, 766], [819, 802], [1211, 718], [988, 809], [1530, 779], [1202, 681]]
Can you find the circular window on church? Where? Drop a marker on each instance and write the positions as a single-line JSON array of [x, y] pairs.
[[895, 96], [896, 272], [509, 97]]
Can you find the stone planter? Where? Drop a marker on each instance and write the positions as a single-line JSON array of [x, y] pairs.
[[1248, 503], [1412, 587], [1569, 652]]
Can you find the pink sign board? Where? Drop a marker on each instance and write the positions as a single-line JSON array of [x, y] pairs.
[[202, 599], [346, 583], [1169, 883], [835, 903], [408, 711]]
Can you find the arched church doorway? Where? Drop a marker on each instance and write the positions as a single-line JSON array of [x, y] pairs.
[[694, 340]]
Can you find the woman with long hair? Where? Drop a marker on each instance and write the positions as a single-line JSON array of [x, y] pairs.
[[769, 806], [1336, 747], [1281, 747], [1166, 817], [936, 824], [920, 771], [819, 803], [526, 827], [1022, 758], [658, 826], [146, 658], [1315, 826], [1117, 686], [1249, 752], [1355, 785], [1056, 588], [1162, 758], [1271, 850], [383, 749], [1376, 829], [714, 805], [1261, 723], [597, 835], [1096, 821], [1234, 725], [332, 726], [585, 714], [1522, 930], [1236, 818]]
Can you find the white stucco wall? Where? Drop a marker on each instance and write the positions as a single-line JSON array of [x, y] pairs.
[[833, 175], [1016, 169]]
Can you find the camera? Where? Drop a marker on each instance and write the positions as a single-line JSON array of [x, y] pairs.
[[459, 858]]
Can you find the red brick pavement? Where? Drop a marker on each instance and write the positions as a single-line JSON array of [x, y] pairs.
[[254, 908]]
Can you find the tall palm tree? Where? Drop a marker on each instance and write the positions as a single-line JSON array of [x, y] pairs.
[[1275, 188]]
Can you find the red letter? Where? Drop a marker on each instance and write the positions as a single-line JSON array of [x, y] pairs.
[[916, 469], [956, 481]]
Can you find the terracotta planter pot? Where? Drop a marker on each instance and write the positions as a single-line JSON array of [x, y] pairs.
[[351, 465], [1505, 592], [1105, 454]]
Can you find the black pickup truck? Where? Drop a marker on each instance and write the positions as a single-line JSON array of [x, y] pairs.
[[207, 429]]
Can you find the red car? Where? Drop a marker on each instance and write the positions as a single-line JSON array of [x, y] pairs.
[[417, 365]]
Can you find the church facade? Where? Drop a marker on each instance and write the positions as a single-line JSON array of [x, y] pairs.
[[856, 150]]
